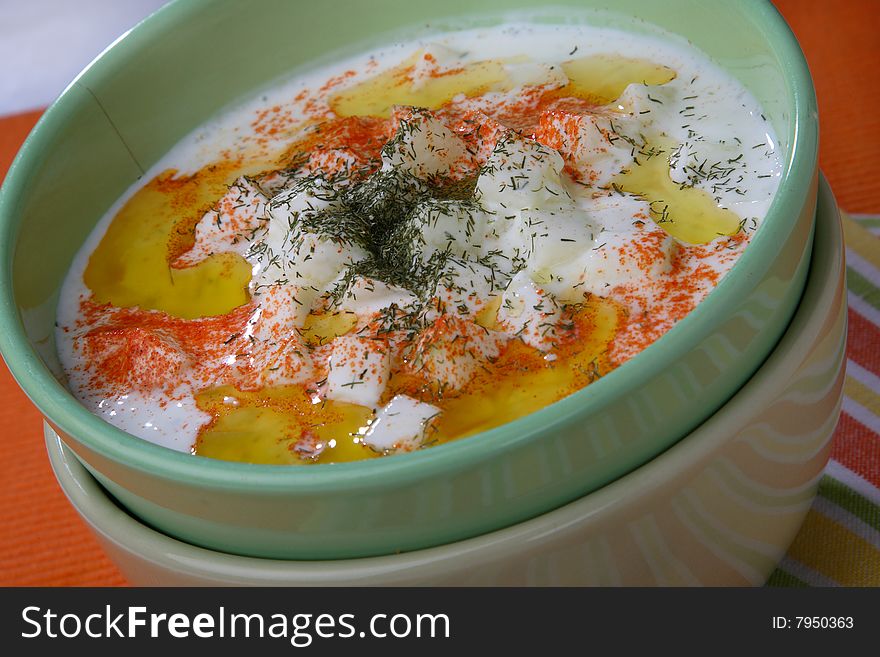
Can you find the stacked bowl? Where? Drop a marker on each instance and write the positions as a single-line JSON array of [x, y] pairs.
[[693, 462]]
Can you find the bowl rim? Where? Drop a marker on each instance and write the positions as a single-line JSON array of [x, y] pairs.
[[66, 413], [127, 533]]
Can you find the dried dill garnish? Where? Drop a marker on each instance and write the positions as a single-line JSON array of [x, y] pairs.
[[384, 215]]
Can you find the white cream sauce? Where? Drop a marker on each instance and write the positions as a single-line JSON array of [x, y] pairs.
[[704, 110]]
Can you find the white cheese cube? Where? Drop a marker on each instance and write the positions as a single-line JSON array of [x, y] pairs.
[[316, 260], [267, 364], [644, 105], [522, 174], [448, 364], [449, 226], [143, 357], [625, 258], [402, 424], [552, 238], [359, 370], [231, 226], [449, 351], [307, 197], [521, 74], [529, 312], [530, 214], [423, 146], [589, 142], [282, 309], [367, 296], [300, 262], [434, 57], [466, 287]]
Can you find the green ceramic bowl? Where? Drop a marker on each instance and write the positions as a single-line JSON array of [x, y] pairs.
[[169, 74], [719, 508]]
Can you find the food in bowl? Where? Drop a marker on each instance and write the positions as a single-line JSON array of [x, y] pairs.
[[416, 245]]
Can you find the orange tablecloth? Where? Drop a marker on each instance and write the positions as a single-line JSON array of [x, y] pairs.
[[43, 541]]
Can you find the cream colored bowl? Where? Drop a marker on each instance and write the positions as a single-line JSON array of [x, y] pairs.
[[718, 508]]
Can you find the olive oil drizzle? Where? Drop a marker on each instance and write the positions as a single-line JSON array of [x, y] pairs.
[[685, 212], [292, 424]]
